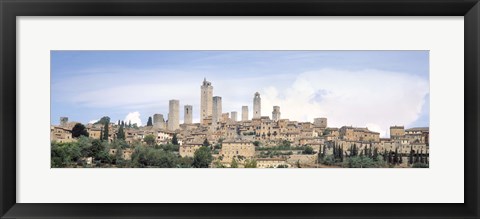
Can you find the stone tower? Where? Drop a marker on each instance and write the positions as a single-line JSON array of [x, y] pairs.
[[187, 119], [244, 113], [206, 99], [217, 109], [63, 121], [158, 121], [320, 122], [173, 112], [257, 106], [276, 113], [234, 116]]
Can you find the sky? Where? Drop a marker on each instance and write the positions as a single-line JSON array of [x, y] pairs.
[[374, 89]]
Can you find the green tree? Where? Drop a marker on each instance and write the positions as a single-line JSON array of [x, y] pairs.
[[149, 139], [308, 150], [104, 120], [234, 163], [251, 163], [410, 156], [79, 130], [420, 165], [149, 123], [206, 143], [121, 133], [175, 139], [202, 157], [105, 132], [64, 154]]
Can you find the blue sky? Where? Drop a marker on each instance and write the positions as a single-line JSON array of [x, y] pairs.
[[360, 88]]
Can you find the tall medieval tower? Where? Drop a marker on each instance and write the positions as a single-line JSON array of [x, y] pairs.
[[217, 109], [244, 113], [187, 119], [158, 121], [276, 113], [206, 99], [173, 118], [257, 106]]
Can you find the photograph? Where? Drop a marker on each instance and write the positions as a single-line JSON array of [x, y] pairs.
[[239, 108]]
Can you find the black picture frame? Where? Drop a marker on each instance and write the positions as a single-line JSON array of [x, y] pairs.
[[10, 9]]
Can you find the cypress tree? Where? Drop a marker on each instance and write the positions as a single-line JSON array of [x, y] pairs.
[[416, 157], [410, 156], [105, 132], [396, 156], [385, 155], [175, 139], [149, 123], [101, 134], [121, 133]]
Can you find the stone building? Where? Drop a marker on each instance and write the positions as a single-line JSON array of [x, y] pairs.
[[173, 115], [397, 132], [188, 150], [276, 113], [320, 122], [187, 119], [158, 121], [244, 113], [237, 149], [206, 104], [358, 134], [234, 116], [217, 109], [257, 106], [61, 134]]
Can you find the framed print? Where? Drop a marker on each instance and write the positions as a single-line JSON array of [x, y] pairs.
[[239, 109]]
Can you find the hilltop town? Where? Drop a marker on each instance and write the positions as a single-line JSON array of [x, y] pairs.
[[221, 139]]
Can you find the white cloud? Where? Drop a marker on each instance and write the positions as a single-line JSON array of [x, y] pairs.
[[93, 121], [133, 117], [367, 98]]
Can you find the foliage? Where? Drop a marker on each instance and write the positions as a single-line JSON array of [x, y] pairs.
[[206, 143], [202, 157], [251, 164], [79, 130], [64, 154], [149, 139], [121, 133], [256, 143], [175, 139], [149, 122], [168, 147], [105, 132], [308, 150], [282, 166], [363, 162], [218, 164], [104, 120], [327, 160], [420, 165], [151, 157], [234, 163]]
